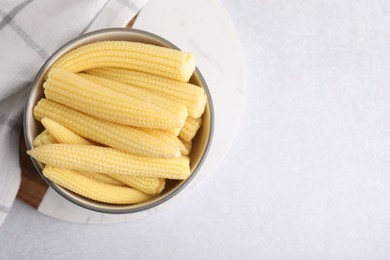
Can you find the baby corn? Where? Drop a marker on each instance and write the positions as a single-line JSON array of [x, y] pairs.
[[93, 189], [91, 98], [175, 107], [62, 134], [188, 145], [147, 185], [192, 96], [43, 138], [165, 62], [190, 128], [110, 161], [101, 177], [169, 138], [125, 138]]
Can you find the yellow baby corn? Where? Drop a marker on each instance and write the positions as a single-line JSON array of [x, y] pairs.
[[43, 138], [91, 98], [148, 185], [110, 161], [62, 134], [93, 189], [190, 128], [168, 137], [100, 177], [188, 145], [169, 63], [126, 138], [177, 108], [192, 96]]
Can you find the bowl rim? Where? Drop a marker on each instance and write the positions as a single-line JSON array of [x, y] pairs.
[[121, 210]]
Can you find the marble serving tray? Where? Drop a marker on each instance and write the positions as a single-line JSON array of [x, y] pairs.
[[203, 28]]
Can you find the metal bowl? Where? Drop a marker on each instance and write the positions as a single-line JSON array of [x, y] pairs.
[[201, 143]]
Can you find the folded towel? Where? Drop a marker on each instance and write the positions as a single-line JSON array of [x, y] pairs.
[[30, 31]]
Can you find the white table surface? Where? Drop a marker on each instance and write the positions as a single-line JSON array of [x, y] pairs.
[[308, 174]]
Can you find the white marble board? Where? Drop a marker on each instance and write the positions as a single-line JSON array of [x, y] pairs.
[[203, 28]]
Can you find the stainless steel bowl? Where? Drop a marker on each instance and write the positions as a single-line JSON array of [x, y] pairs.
[[201, 143]]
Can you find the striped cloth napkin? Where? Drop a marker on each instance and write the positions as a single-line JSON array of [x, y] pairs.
[[30, 31]]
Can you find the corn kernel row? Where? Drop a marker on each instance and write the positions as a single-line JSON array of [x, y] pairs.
[[151, 59], [110, 161]]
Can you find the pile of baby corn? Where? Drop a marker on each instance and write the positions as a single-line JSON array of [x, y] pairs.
[[119, 118]]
